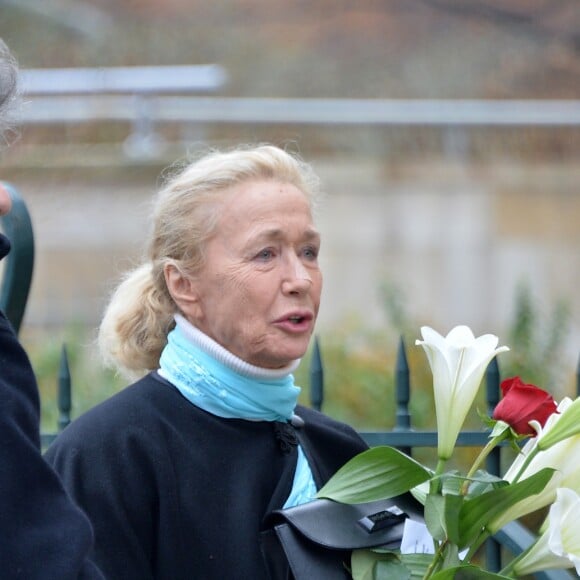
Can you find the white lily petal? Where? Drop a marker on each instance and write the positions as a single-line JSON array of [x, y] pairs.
[[565, 424], [563, 457], [460, 336], [564, 404], [536, 426], [432, 338], [559, 545], [480, 350], [540, 557], [431, 335], [457, 362], [563, 518]]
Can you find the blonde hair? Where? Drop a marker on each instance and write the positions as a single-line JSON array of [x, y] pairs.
[[185, 215]]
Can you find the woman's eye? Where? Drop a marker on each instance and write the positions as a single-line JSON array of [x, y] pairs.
[[311, 252], [265, 254]]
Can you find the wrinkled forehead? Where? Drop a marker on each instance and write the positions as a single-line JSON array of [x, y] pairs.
[[266, 200], [266, 211]]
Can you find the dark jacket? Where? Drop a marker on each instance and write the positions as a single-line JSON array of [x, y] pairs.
[[177, 493], [43, 535]]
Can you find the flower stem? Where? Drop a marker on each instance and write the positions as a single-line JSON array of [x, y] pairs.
[[435, 486], [525, 464], [437, 558], [440, 466], [508, 570], [491, 444], [483, 535]]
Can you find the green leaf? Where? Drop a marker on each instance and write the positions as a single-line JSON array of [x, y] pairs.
[[371, 565], [435, 516], [478, 511], [466, 572], [391, 570], [442, 516], [452, 481], [453, 505], [378, 473], [483, 482], [417, 564], [420, 492], [362, 564], [451, 556], [499, 427]]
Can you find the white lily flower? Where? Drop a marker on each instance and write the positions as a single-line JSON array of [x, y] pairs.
[[559, 545], [458, 362], [545, 433], [568, 424], [562, 456]]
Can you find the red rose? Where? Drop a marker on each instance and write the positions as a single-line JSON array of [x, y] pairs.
[[523, 403]]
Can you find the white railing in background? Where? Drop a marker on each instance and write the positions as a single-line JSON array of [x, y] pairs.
[[147, 96], [154, 80]]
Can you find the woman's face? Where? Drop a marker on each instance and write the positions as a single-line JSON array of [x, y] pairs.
[[258, 293]]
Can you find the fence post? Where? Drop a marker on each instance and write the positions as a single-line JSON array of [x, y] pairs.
[[402, 394], [493, 461], [316, 377], [492, 380], [64, 391]]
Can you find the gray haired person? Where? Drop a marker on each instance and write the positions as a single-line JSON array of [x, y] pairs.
[[43, 535]]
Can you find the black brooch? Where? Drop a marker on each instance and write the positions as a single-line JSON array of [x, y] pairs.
[[286, 436]]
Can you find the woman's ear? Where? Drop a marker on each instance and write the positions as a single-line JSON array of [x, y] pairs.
[[183, 291]]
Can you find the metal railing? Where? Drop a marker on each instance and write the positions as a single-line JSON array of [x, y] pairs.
[[81, 95], [514, 537], [130, 80], [148, 97]]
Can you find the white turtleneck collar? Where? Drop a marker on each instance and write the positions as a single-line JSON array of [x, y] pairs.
[[212, 348]]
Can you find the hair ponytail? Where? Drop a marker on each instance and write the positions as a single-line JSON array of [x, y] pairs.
[[136, 322]]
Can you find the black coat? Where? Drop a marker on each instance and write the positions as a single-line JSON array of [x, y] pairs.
[[43, 536], [177, 493]]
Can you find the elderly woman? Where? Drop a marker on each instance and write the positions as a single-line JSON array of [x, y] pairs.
[[178, 471]]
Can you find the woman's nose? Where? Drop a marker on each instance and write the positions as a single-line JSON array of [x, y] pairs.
[[298, 277]]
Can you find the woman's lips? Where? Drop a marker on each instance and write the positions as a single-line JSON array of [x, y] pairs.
[[295, 322]]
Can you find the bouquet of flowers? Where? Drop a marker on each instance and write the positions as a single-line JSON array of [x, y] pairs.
[[462, 510]]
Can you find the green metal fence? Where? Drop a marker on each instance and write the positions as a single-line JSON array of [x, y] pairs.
[[514, 538]]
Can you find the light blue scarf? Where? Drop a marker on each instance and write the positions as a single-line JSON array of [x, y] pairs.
[[222, 384]]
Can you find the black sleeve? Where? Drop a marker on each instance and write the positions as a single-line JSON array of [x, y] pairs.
[[43, 535]]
